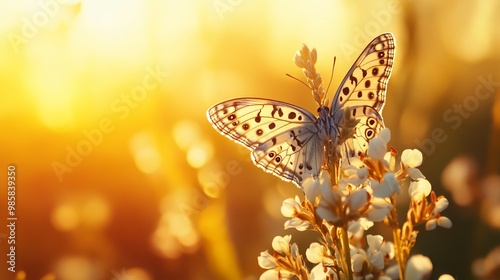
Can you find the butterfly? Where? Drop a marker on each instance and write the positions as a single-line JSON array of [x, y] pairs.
[[289, 141]]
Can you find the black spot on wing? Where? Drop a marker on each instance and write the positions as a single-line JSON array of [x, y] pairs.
[[258, 118], [354, 80], [275, 110], [369, 133]]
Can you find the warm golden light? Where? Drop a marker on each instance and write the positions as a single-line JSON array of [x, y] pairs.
[[174, 235], [76, 268], [65, 217], [145, 153], [90, 212], [199, 154], [186, 133], [95, 213], [120, 175], [133, 273]]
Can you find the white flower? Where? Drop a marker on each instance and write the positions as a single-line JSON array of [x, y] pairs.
[[378, 210], [294, 250], [446, 277], [393, 271], [378, 250], [387, 250], [358, 258], [282, 244], [415, 173], [266, 260], [387, 187], [374, 241], [378, 145], [411, 158], [377, 148], [276, 275], [353, 176], [375, 257], [441, 204], [352, 163], [328, 207], [357, 262], [297, 224], [270, 275], [357, 199], [365, 223], [436, 218], [441, 221], [390, 158], [419, 189], [318, 273], [315, 252], [312, 186], [356, 229], [418, 267], [291, 207]]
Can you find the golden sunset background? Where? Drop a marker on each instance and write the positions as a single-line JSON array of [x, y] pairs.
[[120, 176]]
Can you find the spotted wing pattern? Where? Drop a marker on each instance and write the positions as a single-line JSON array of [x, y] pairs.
[[364, 91], [283, 137]]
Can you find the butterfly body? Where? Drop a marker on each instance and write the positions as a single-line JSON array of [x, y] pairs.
[[328, 127], [291, 142]]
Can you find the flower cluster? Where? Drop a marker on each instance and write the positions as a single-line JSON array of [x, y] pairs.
[[306, 59], [342, 203]]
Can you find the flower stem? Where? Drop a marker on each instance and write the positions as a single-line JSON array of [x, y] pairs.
[[396, 236], [346, 251]]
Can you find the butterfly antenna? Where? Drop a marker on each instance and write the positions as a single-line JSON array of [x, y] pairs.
[[290, 76], [331, 77]]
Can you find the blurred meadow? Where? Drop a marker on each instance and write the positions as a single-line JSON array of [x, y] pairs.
[[120, 176]]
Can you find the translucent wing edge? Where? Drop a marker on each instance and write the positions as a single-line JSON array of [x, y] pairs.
[[389, 37]]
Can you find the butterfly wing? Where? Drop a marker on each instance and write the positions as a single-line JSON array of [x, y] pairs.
[[370, 123], [364, 91], [283, 138]]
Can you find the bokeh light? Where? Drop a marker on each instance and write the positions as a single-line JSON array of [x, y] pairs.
[[120, 175]]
